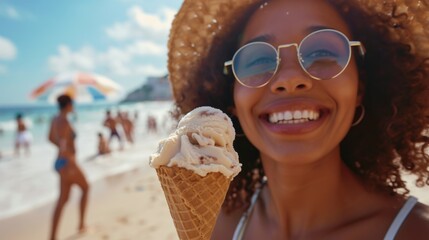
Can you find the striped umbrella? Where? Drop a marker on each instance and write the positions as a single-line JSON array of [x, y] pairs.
[[81, 87]]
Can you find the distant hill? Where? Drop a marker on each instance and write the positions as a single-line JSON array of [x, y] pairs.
[[155, 89]]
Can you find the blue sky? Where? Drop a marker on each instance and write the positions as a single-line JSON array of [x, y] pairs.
[[124, 40]]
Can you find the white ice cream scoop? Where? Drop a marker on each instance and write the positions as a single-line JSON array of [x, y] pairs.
[[202, 142]]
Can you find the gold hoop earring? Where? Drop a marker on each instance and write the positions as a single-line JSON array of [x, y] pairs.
[[362, 115]]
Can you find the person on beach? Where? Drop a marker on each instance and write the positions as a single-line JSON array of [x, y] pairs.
[[329, 101], [62, 135], [23, 136], [136, 116], [151, 124], [128, 126], [103, 146], [111, 123]]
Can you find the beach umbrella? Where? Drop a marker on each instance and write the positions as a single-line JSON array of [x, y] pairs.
[[81, 87]]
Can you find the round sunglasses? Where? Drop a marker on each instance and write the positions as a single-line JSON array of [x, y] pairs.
[[323, 55]]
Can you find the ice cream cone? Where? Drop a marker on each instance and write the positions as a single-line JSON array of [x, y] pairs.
[[194, 201], [195, 166]]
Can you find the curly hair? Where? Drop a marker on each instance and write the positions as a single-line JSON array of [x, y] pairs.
[[390, 140]]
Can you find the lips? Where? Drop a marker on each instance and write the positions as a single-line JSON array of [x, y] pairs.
[[294, 117]]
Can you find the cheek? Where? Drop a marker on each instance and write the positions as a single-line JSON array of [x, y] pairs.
[[238, 96], [344, 93], [345, 88], [244, 100]]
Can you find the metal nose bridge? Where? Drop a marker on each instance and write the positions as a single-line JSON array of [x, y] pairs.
[[286, 46]]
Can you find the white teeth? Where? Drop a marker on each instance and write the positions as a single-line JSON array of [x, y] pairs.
[[300, 121], [288, 116], [297, 116], [316, 116], [305, 114], [279, 116], [273, 118]]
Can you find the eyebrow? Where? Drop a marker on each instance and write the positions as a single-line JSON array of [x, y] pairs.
[[317, 28], [271, 38], [261, 38]]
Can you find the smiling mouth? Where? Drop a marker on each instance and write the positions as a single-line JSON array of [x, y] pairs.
[[294, 117]]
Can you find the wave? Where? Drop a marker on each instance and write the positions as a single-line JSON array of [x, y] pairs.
[[10, 125]]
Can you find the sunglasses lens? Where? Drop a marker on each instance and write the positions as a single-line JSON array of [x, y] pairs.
[[254, 64], [325, 54]]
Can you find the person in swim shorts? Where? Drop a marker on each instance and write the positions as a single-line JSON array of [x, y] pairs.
[[23, 136], [111, 123]]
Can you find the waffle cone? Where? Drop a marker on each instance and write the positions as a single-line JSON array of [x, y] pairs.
[[194, 201]]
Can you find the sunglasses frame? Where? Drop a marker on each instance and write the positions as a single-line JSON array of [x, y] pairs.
[[298, 47]]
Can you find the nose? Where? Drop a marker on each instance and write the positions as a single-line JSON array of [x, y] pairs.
[[290, 78]]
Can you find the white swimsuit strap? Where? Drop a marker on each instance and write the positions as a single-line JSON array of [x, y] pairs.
[[400, 218], [242, 224]]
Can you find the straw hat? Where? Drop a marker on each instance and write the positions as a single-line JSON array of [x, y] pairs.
[[198, 22]]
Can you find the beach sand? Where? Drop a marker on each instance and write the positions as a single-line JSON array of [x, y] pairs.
[[126, 206], [129, 205]]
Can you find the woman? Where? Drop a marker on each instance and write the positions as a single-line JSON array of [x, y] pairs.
[[61, 134], [331, 99]]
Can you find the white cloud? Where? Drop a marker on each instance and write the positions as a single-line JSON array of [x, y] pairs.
[[146, 48], [114, 53], [137, 41], [141, 24], [67, 60], [152, 22], [150, 70], [125, 61], [7, 49], [117, 61], [121, 31]]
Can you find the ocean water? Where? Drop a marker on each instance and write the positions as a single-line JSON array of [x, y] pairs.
[[27, 182], [38, 117]]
